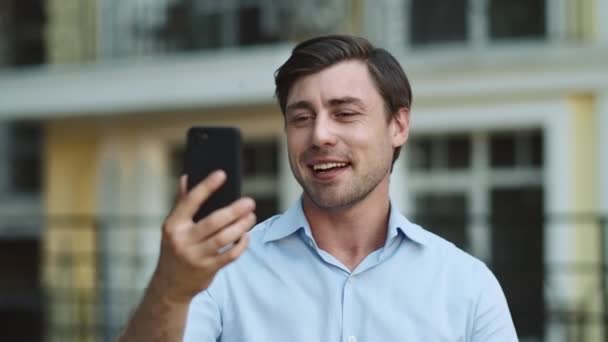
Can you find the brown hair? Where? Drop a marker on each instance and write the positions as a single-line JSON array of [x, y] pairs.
[[318, 53]]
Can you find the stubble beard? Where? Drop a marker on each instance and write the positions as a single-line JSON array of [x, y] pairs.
[[343, 194]]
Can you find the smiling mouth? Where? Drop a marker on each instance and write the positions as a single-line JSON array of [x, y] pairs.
[[328, 167]]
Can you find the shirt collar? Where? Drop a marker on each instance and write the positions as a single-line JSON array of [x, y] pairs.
[[398, 223], [294, 219], [288, 223]]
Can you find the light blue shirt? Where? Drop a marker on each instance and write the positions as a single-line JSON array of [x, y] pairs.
[[418, 287]]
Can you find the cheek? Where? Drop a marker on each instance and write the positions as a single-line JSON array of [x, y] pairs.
[[295, 146], [367, 139], [376, 144]]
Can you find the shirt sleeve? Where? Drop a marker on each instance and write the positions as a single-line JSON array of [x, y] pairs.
[[204, 322], [492, 322]]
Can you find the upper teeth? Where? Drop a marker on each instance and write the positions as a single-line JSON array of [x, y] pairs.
[[327, 166]]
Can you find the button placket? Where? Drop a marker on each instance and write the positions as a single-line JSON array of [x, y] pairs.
[[348, 311]]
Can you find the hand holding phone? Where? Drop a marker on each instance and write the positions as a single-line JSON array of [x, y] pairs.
[[208, 227]]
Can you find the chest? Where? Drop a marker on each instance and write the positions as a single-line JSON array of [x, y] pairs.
[[316, 305]]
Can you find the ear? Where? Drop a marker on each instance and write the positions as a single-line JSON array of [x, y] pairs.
[[400, 126]]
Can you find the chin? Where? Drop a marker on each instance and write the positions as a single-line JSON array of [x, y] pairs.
[[331, 202]]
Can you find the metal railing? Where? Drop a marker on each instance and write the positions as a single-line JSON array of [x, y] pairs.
[[93, 270]]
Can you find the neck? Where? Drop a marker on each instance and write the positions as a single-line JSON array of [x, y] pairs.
[[351, 233]]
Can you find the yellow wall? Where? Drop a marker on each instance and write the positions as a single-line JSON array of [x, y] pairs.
[[69, 237], [585, 203], [581, 19], [71, 30]]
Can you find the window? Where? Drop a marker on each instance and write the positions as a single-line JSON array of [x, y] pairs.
[[517, 253], [164, 26], [471, 21], [25, 157], [444, 214], [438, 21], [22, 25], [199, 25], [517, 18], [260, 174], [522, 149], [450, 152]]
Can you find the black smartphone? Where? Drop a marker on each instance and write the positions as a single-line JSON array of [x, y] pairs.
[[209, 149]]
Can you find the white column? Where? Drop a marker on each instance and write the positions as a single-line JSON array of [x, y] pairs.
[[387, 23], [602, 127], [152, 198], [602, 137], [478, 32], [479, 231], [114, 235], [601, 22], [396, 21], [559, 288], [133, 198], [602, 115], [557, 20]]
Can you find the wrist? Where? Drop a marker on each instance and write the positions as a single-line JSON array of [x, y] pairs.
[[164, 289]]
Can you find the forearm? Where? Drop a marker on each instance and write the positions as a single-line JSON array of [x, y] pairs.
[[156, 319]]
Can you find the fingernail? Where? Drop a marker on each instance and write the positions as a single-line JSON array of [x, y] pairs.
[[218, 175], [247, 202]]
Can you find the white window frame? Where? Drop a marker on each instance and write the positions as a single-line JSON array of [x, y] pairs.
[[602, 128], [386, 23], [475, 183]]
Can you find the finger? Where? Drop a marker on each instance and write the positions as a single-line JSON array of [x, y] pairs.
[[227, 236], [221, 218], [233, 253], [181, 189], [200, 193], [183, 185]]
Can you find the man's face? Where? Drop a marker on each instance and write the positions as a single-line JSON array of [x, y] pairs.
[[340, 142]]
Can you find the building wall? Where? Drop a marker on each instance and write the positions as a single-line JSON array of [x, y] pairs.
[[585, 202], [70, 242], [71, 31], [110, 176]]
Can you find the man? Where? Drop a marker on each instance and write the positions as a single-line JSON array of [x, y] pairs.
[[342, 264]]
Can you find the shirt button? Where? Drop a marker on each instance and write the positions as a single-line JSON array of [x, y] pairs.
[[352, 339]]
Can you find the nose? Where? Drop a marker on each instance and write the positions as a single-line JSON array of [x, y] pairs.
[[323, 133]]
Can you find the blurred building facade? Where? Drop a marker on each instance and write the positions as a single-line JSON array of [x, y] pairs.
[[507, 157]]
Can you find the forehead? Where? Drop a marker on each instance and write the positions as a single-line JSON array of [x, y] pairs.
[[344, 79]]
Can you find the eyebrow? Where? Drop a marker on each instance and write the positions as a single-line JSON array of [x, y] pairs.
[[299, 105], [347, 100], [332, 103]]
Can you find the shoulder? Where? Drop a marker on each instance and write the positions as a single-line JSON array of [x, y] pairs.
[[259, 233], [450, 259]]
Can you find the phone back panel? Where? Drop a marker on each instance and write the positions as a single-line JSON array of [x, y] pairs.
[[209, 149]]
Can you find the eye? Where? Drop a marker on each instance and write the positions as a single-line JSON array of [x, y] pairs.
[[300, 119], [345, 115]]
